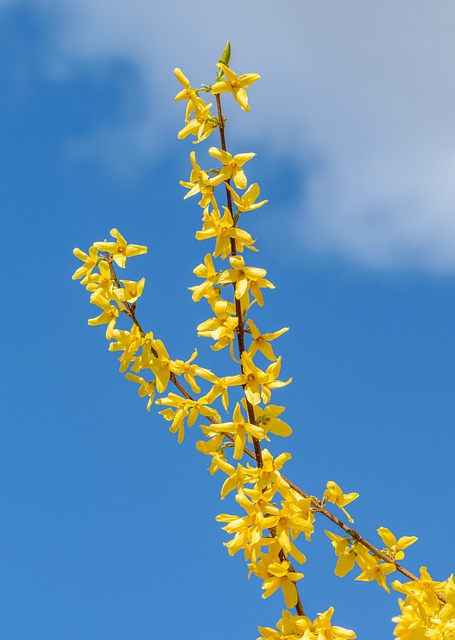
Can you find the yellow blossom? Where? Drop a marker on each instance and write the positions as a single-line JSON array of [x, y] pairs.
[[184, 409], [247, 201], [145, 388], [232, 167], [187, 93], [267, 418], [334, 494], [223, 229], [258, 383], [208, 272], [130, 291], [261, 341], [375, 570], [203, 123], [199, 180], [235, 84], [101, 281], [222, 327], [90, 261], [120, 250], [162, 366], [108, 316], [129, 342], [277, 574], [246, 279], [240, 429], [395, 547]]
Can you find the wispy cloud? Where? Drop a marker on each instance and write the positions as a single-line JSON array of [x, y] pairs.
[[366, 88]]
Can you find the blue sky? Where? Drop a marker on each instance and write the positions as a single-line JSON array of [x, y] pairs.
[[109, 526]]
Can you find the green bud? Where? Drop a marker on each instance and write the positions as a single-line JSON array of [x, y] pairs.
[[226, 55]]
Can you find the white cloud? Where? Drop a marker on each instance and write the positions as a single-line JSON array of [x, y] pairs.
[[367, 88]]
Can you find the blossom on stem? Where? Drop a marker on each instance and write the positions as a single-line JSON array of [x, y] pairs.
[[395, 547], [247, 201], [333, 493], [223, 229], [293, 627], [277, 574], [90, 261], [108, 316], [120, 250], [222, 327], [129, 342], [240, 430], [146, 388], [232, 167], [258, 383], [235, 84], [375, 570], [208, 272], [199, 183], [203, 123], [267, 418], [130, 291], [187, 93], [246, 279], [261, 341], [184, 409]]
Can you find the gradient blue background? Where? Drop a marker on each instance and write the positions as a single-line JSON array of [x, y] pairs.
[[108, 526]]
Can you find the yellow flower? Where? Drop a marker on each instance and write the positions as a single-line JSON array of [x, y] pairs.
[[210, 275], [223, 229], [258, 383], [394, 547], [247, 202], [130, 291], [129, 342], [267, 418], [246, 279], [334, 494], [240, 429], [261, 341], [120, 250], [184, 410], [375, 570], [203, 123], [90, 261], [346, 556], [108, 316], [232, 167], [222, 327], [277, 574], [162, 366], [220, 388], [199, 183], [145, 388], [424, 589], [187, 93], [235, 84]]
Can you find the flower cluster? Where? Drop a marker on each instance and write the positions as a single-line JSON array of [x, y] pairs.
[[235, 412]]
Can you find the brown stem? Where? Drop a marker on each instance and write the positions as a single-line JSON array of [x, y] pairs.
[[240, 331]]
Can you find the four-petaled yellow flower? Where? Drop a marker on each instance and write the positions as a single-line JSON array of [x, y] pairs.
[[120, 250], [240, 429], [261, 341], [236, 84], [395, 547], [232, 167], [333, 493]]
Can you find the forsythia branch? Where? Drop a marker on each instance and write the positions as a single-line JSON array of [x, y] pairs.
[[275, 511]]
